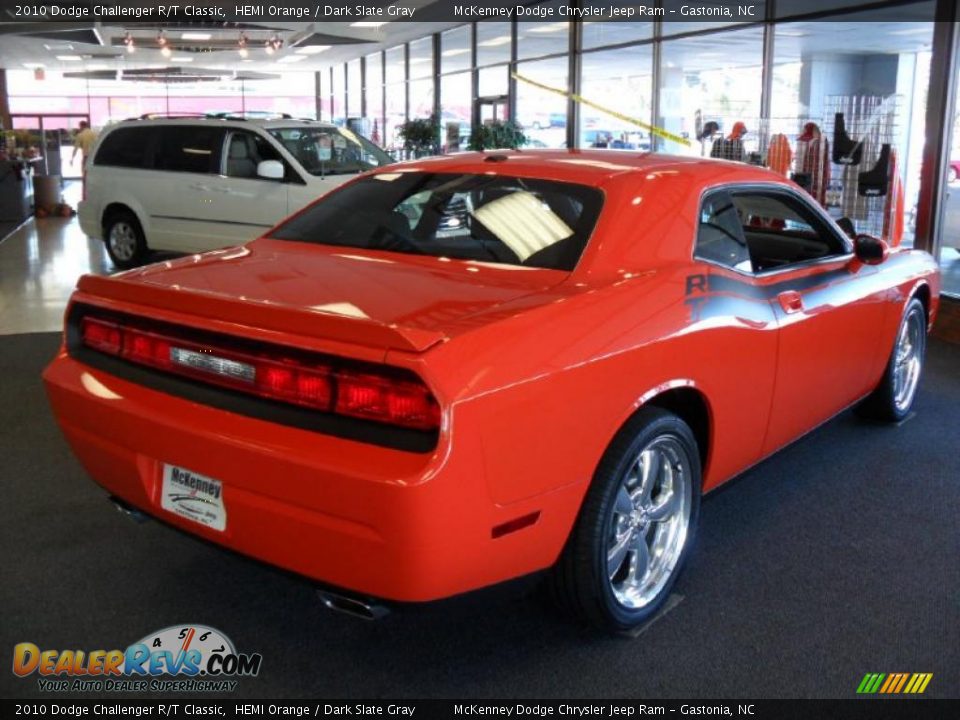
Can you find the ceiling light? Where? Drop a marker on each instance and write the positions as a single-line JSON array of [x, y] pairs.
[[69, 58], [273, 44], [165, 51], [367, 24], [181, 58], [312, 49], [502, 40], [242, 46], [33, 66], [161, 39], [195, 36], [128, 41], [292, 58]]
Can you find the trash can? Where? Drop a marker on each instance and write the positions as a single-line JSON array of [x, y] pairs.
[[46, 191]]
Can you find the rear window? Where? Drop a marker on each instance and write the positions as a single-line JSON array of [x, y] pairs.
[[188, 148], [489, 218], [125, 147]]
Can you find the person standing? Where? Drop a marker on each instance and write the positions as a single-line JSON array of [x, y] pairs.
[[83, 143]]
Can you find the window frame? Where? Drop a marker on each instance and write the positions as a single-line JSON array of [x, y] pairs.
[[829, 225]]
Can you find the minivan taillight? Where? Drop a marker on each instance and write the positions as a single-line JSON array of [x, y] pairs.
[[335, 386]]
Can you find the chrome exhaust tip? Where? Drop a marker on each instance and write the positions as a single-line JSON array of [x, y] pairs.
[[128, 510], [355, 607]]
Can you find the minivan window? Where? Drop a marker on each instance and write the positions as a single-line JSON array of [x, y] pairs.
[[189, 148], [125, 147], [245, 151], [489, 218], [330, 150]]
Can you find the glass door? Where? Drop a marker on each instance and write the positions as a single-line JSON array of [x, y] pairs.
[[52, 137]]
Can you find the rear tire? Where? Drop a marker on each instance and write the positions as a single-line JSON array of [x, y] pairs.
[[124, 240], [894, 396], [636, 525]]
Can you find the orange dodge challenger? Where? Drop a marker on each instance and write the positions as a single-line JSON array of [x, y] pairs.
[[460, 370]]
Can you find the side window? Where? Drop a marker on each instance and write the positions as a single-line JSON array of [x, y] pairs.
[[720, 236], [246, 150], [193, 149], [127, 147], [780, 230]]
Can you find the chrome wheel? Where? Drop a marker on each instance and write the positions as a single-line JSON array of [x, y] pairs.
[[123, 240], [650, 521], [908, 360]]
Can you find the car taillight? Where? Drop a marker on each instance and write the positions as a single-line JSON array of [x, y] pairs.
[[381, 397]]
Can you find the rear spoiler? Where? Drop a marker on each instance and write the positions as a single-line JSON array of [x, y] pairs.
[[265, 316]]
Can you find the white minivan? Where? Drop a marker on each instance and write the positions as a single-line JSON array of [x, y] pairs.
[[195, 184]]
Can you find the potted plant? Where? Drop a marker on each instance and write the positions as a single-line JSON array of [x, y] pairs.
[[497, 134], [421, 136]]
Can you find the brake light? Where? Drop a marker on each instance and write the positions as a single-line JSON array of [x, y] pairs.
[[345, 390]]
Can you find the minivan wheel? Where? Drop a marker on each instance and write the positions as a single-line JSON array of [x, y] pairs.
[[635, 527], [124, 239]]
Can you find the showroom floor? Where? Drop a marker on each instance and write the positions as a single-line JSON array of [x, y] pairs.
[[835, 558]]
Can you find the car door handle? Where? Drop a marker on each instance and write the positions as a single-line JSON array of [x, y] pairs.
[[791, 301]]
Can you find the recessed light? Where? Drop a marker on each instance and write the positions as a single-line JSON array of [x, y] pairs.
[[367, 24], [292, 58], [69, 58], [181, 58], [195, 36], [312, 49], [33, 66]]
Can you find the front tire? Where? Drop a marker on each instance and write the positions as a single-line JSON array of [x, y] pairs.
[[636, 525], [894, 396], [124, 239]]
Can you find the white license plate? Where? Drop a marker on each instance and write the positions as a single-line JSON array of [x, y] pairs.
[[193, 496]]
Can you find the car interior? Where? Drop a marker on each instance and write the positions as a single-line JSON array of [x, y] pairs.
[[756, 232]]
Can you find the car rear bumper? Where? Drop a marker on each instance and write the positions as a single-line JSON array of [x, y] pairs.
[[377, 521]]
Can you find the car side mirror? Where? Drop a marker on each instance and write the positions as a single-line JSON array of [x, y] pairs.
[[270, 169], [870, 250]]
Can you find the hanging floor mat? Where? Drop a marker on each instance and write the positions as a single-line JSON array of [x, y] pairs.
[[875, 181], [846, 151]]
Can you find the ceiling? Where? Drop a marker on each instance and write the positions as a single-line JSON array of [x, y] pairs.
[[193, 48]]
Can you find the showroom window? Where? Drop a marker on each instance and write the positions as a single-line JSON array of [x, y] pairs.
[[599, 34], [354, 89], [455, 50], [395, 111], [421, 78], [338, 109], [373, 87], [712, 78], [493, 43], [877, 87], [543, 114], [546, 37], [950, 231], [455, 111], [622, 80]]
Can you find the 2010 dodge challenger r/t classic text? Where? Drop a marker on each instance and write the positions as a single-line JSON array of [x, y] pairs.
[[460, 370]]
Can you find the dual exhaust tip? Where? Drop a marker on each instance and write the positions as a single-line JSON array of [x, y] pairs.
[[353, 606]]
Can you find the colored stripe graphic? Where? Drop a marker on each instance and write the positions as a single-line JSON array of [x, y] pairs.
[[894, 683]]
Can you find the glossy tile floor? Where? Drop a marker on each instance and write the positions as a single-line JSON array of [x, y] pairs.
[[39, 266]]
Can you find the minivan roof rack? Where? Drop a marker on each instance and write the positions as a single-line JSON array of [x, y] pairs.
[[167, 116], [249, 115]]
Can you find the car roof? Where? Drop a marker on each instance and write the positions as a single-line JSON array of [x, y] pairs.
[[227, 120], [591, 167]]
